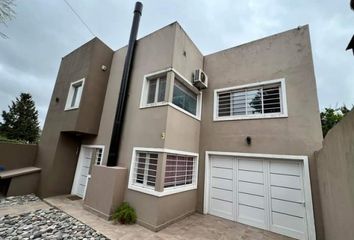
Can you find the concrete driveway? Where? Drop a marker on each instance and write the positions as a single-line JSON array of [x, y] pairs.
[[196, 226], [31, 216]]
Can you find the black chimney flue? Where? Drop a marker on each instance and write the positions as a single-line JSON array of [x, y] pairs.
[[124, 88]]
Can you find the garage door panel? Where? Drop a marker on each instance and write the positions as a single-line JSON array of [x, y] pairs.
[[222, 194], [223, 162], [249, 176], [222, 172], [290, 208], [250, 165], [285, 181], [252, 188], [251, 200], [221, 208], [252, 213], [287, 221], [285, 167], [293, 195], [222, 183], [264, 193]]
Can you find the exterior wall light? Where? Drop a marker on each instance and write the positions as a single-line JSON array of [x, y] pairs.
[[248, 140]]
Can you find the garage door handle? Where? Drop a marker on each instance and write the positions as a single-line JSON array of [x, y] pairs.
[[303, 203]]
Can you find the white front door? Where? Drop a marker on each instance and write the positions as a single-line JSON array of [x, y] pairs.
[[82, 172], [265, 193]]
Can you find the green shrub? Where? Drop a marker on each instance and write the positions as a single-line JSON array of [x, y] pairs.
[[125, 214]]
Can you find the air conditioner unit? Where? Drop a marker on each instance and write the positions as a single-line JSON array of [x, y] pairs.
[[200, 79]]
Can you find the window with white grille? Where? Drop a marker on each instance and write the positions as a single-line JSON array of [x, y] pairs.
[[179, 171], [160, 172], [145, 169], [256, 101], [98, 158]]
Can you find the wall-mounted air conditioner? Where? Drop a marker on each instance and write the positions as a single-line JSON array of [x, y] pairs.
[[200, 79]]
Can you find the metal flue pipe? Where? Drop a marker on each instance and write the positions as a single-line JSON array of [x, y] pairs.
[[114, 147]]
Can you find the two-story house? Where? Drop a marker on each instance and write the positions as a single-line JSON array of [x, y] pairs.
[[241, 147]]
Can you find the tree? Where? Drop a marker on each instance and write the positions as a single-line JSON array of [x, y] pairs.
[[21, 121], [7, 13], [330, 117]]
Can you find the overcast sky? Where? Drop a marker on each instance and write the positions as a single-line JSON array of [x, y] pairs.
[[45, 31]]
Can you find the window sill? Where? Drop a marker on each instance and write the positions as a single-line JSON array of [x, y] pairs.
[[71, 108], [166, 192], [171, 105], [237, 118]]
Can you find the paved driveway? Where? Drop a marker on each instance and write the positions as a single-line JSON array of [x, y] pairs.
[[68, 220], [196, 226]]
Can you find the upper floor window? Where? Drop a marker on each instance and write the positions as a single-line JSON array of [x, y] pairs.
[[74, 95], [167, 87], [262, 100], [156, 90], [184, 97]]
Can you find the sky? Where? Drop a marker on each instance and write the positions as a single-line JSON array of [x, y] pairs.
[[45, 31]]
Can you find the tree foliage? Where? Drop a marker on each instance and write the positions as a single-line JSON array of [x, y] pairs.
[[21, 121], [7, 13], [330, 117]]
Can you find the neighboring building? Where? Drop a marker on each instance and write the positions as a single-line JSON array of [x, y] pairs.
[[238, 149]]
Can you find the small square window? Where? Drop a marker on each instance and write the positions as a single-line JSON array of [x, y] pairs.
[[74, 95]]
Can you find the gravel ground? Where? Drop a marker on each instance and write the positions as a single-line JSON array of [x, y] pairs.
[[18, 200], [43, 224]]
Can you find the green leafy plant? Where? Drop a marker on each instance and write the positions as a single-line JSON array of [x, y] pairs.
[[125, 214], [331, 116]]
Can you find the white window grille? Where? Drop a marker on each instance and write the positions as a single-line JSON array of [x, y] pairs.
[[179, 171], [145, 169], [99, 155], [264, 100]]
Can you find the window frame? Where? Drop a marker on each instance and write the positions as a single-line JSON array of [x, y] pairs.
[[78, 95], [169, 190], [283, 101], [168, 99]]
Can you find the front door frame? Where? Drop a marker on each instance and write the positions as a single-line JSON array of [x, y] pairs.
[[306, 179], [79, 165]]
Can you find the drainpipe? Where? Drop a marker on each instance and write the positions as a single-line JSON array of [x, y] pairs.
[[124, 88]]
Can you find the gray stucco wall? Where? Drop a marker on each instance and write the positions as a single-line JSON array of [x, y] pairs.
[[335, 166], [14, 156], [285, 55], [63, 131], [160, 50]]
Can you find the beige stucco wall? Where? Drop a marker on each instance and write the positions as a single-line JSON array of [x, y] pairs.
[[105, 190], [286, 55], [17, 155], [144, 127], [335, 166], [63, 131]]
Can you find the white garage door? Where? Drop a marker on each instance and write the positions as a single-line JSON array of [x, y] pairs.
[[265, 193]]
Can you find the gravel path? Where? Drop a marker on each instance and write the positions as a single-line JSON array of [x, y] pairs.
[[18, 200], [43, 224]]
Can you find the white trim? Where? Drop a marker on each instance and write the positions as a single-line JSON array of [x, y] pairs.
[[78, 167], [306, 176], [283, 103], [183, 80], [167, 191], [96, 146], [70, 95]]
